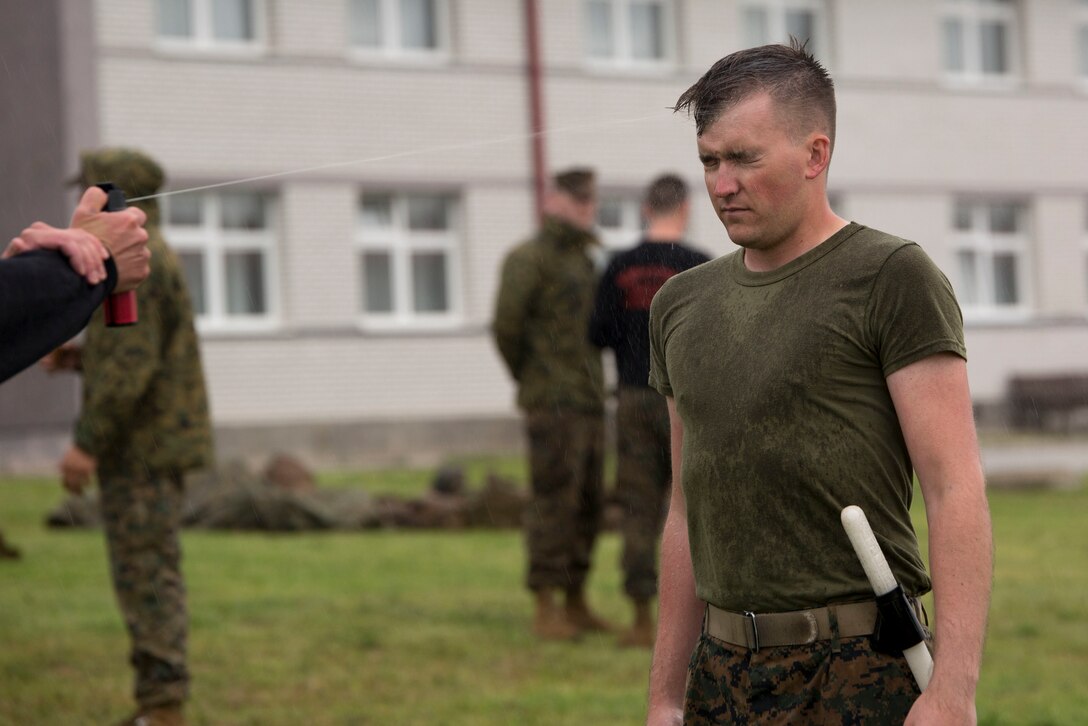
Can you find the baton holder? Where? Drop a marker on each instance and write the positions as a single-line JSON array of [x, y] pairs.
[[897, 625]]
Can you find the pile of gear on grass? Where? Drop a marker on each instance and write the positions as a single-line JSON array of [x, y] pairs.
[[284, 497]]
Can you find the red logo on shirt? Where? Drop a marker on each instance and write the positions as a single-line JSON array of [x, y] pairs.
[[639, 284]]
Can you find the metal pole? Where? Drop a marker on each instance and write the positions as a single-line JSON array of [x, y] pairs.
[[536, 107]]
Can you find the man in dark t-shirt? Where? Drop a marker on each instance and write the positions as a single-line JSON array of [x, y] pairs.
[[620, 321]]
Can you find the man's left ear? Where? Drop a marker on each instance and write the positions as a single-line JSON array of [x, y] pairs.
[[819, 155]]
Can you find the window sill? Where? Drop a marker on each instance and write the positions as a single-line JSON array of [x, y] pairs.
[[206, 49], [411, 326], [982, 83], [396, 57], [1024, 319], [629, 68], [244, 327], [998, 318]]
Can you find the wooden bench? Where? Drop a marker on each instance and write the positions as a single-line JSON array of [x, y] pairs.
[[1039, 401]]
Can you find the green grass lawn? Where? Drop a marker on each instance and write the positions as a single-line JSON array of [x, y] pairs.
[[405, 627]]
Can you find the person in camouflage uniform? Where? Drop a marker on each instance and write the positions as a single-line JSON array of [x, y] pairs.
[[540, 327], [144, 423]]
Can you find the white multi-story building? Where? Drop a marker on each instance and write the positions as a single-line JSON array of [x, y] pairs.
[[392, 152]]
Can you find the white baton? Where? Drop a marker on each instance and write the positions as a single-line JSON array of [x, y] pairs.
[[883, 582]]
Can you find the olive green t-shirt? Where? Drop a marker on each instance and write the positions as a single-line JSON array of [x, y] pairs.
[[779, 379]]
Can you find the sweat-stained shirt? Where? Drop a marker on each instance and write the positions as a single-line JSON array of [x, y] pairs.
[[780, 380]]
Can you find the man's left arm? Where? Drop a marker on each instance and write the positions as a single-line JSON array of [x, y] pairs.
[[119, 365], [933, 403], [518, 285]]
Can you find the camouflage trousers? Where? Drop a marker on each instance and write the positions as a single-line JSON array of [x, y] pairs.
[[142, 517], [643, 473], [827, 682], [566, 462]]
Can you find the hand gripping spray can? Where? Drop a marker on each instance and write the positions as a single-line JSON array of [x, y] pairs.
[[120, 307]]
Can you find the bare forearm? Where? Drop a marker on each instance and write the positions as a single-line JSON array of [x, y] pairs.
[[680, 611], [933, 402], [679, 623], [961, 558]]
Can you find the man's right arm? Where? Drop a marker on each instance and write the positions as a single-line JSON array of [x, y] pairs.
[[517, 287], [680, 613]]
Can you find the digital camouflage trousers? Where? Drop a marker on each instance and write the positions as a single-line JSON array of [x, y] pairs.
[[827, 682], [142, 517], [643, 473], [566, 462]]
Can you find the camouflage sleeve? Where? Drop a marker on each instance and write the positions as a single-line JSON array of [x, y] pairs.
[[118, 365], [517, 289]]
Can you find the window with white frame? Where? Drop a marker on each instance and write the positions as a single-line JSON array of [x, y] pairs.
[[408, 258], [635, 34], [227, 246], [979, 40], [620, 223], [992, 248], [403, 29], [776, 21], [219, 25]]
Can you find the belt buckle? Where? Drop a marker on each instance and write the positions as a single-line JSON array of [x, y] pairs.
[[751, 618]]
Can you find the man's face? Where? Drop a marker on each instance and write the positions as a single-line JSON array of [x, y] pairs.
[[585, 213], [581, 213], [755, 174]]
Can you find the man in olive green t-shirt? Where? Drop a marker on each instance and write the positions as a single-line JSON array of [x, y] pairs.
[[821, 365]]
